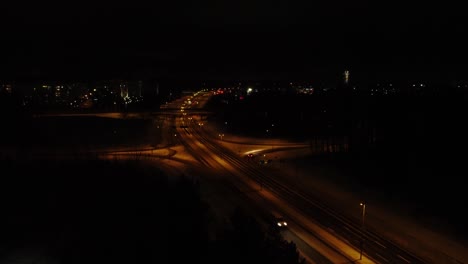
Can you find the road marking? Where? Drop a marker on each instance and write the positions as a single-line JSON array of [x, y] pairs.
[[381, 257], [403, 258], [379, 244]]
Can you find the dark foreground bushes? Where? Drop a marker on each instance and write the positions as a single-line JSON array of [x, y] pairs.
[[111, 212]]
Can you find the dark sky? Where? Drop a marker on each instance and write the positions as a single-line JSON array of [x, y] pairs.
[[234, 40]]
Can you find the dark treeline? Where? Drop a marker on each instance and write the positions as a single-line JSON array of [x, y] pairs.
[[76, 133], [13, 116], [407, 148], [86, 211]]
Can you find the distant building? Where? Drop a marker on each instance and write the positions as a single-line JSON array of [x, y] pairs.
[[62, 93], [346, 77]]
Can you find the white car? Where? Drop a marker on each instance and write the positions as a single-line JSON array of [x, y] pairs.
[[281, 222]]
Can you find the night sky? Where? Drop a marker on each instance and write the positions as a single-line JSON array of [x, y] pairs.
[[235, 40]]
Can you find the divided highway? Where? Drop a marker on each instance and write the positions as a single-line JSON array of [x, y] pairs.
[[198, 142]]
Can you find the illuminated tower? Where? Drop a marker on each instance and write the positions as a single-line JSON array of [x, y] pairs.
[[346, 76], [123, 90]]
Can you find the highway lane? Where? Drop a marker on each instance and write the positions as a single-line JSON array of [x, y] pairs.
[[212, 155], [231, 176], [221, 171], [378, 248], [349, 230], [219, 166], [311, 254]]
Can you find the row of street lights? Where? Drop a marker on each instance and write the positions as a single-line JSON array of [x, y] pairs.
[[269, 134], [221, 135]]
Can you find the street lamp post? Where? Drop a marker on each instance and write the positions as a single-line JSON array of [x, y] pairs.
[[363, 212], [363, 206], [270, 135]]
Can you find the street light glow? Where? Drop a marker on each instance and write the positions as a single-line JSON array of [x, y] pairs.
[[363, 211]]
